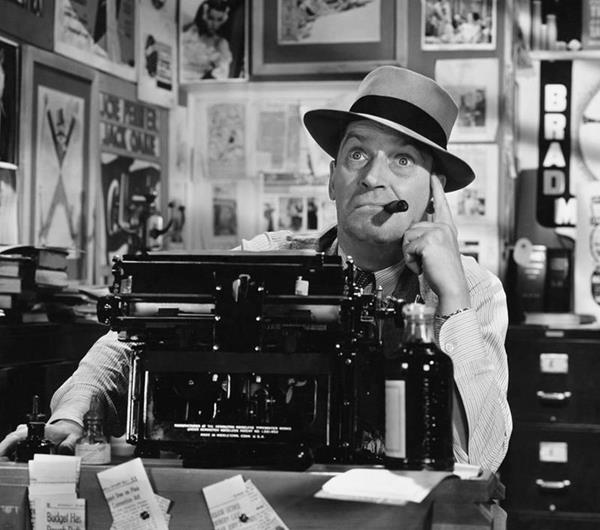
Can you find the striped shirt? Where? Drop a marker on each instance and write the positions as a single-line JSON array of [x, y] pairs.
[[474, 339]]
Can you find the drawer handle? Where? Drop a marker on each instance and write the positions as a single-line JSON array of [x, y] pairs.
[[553, 396], [553, 484]]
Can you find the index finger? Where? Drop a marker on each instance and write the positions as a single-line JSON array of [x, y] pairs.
[[442, 213]]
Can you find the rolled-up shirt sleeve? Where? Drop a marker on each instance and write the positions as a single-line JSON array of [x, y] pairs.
[[475, 341], [104, 371]]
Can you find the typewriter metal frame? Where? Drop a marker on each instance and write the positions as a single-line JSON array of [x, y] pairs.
[[230, 331]]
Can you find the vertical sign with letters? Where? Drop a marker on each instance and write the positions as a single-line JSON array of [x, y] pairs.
[[556, 204]]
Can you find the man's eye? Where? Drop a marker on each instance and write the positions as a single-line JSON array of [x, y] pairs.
[[404, 161], [356, 155]]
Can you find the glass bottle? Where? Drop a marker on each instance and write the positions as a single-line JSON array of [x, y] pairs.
[[418, 398], [93, 447], [35, 441]]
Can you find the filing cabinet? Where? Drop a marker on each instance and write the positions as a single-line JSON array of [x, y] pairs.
[[550, 472]]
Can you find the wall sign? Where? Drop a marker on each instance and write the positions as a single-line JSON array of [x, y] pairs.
[[556, 206], [130, 167]]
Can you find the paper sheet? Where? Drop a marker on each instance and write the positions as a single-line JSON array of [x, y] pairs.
[[130, 497]]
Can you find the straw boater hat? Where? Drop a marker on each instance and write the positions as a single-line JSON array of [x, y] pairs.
[[407, 102]]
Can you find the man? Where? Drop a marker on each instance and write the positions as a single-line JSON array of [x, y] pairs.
[[390, 147]]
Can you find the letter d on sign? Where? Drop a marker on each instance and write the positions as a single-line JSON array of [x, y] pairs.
[[554, 182]]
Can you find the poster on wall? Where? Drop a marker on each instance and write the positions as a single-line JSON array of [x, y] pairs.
[[157, 52], [99, 33], [59, 166], [8, 206], [126, 181], [212, 40], [131, 171], [9, 101], [587, 249], [473, 84], [447, 25], [226, 139], [477, 202], [298, 211], [225, 216]]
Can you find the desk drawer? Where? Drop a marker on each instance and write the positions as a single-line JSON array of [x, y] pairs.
[[553, 521], [552, 468], [550, 380]]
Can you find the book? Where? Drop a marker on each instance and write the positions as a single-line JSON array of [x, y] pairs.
[[11, 285], [18, 301], [51, 278], [15, 265], [46, 257]]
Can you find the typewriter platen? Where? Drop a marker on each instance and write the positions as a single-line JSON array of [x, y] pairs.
[[246, 358]]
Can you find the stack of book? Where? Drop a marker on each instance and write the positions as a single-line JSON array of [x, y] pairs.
[[27, 274]]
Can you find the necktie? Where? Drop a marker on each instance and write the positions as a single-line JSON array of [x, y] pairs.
[[363, 279]]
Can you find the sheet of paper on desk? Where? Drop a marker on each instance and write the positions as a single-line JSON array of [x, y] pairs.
[[53, 492], [381, 486], [54, 468], [54, 514], [234, 504], [130, 497]]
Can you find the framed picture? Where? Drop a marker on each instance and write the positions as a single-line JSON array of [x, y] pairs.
[[99, 33], [9, 101], [212, 40], [30, 21], [57, 169], [450, 25], [474, 86], [300, 38]]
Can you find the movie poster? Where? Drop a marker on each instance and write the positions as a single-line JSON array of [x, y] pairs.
[[99, 33], [131, 173], [126, 182], [60, 171], [212, 40], [157, 53]]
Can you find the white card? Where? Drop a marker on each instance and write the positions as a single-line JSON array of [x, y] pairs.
[[130, 497]]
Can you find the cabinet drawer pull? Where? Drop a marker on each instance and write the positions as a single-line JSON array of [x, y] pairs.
[[553, 396], [553, 484]]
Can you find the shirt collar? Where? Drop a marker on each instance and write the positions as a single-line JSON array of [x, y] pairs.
[[386, 278]]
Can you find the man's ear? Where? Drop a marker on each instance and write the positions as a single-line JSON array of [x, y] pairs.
[[331, 186]]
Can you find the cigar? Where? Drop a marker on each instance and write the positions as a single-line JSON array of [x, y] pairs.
[[396, 206]]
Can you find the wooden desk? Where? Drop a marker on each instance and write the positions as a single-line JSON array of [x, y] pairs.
[[454, 504]]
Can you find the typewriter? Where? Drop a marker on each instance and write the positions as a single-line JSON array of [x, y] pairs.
[[250, 358]]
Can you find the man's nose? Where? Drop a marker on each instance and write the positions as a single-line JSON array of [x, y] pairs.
[[376, 172]]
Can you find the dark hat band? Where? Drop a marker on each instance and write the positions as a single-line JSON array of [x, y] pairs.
[[403, 113]]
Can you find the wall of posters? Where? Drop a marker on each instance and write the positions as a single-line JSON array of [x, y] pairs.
[[255, 166], [157, 52], [98, 33]]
